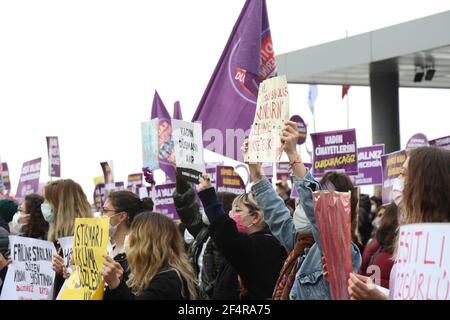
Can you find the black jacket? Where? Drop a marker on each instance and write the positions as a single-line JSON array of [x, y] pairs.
[[257, 258], [164, 286], [189, 212]]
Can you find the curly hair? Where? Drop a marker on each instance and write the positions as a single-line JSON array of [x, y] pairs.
[[36, 227]]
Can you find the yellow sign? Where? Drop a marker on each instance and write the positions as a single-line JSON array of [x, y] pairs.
[[90, 242]]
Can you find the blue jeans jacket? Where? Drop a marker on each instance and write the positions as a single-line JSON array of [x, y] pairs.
[[309, 283]]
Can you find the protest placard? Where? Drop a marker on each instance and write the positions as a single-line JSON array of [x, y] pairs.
[[149, 133], [272, 111], [422, 265], [392, 164], [301, 128], [164, 200], [135, 181], [29, 178], [416, 141], [443, 142], [30, 275], [66, 244], [229, 180], [90, 242], [335, 151], [187, 137], [369, 166], [54, 158], [5, 177]]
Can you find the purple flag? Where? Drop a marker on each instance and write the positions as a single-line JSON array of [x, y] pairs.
[[335, 151], [29, 178], [166, 146], [107, 172], [229, 180], [54, 159], [369, 166], [392, 167], [99, 196], [227, 108], [5, 177], [443, 142], [177, 111], [164, 200]]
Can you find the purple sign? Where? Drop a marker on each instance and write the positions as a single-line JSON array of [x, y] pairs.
[[119, 186], [369, 166], [392, 164], [177, 111], [283, 171], [5, 177], [134, 182], [229, 180], [107, 172], [164, 200], [54, 159], [301, 128], [227, 108], [416, 141], [443, 142], [29, 178], [335, 151]]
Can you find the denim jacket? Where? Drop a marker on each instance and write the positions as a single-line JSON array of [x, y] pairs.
[[309, 283]]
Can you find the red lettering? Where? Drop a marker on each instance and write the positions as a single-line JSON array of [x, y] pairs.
[[418, 235], [428, 288], [442, 251], [406, 286], [425, 261], [414, 277], [419, 287]]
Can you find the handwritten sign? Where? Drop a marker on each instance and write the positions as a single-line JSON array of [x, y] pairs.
[[29, 178], [90, 242], [30, 276], [369, 166], [422, 266], [392, 164], [187, 137], [335, 151], [272, 111]]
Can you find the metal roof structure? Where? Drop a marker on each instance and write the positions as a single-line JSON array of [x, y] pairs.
[[406, 48]]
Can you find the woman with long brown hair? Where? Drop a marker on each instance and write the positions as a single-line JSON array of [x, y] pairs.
[[159, 267], [426, 199], [64, 201]]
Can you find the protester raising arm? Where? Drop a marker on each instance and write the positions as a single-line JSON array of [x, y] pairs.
[[187, 206], [275, 212]]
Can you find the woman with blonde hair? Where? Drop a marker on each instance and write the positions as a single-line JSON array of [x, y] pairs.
[[159, 267], [64, 201]]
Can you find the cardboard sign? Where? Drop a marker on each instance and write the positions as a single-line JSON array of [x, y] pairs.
[[149, 133], [90, 242], [272, 111], [369, 166], [164, 203], [392, 164], [29, 178], [422, 266], [54, 159], [229, 180], [335, 151], [187, 137], [30, 276]]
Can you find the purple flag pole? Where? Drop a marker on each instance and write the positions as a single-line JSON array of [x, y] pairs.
[[177, 111], [166, 147], [227, 108]]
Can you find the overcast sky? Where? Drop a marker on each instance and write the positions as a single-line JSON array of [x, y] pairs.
[[86, 71]]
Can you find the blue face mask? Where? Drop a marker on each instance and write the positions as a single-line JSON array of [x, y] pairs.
[[47, 212]]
